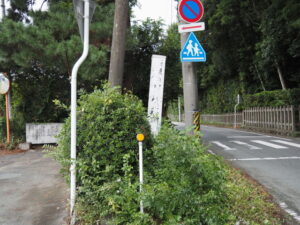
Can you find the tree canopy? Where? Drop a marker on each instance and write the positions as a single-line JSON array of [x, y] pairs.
[[251, 46]]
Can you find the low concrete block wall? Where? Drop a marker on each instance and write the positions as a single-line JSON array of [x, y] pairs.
[[42, 133]]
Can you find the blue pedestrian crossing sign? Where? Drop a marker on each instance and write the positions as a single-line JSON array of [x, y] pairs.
[[192, 50]]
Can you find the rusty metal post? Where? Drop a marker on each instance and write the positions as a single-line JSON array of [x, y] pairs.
[[7, 119]]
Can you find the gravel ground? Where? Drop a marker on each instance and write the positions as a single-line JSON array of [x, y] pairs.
[[32, 192]]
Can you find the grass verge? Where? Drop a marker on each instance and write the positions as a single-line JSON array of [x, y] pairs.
[[250, 203]]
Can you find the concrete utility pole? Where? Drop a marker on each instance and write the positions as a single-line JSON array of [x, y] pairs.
[[190, 87], [116, 68]]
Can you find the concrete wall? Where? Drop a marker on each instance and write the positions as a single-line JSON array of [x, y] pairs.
[[42, 133]]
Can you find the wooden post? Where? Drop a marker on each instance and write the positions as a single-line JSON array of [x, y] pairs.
[[7, 119], [289, 118], [273, 118], [293, 119], [285, 118], [269, 118], [279, 128], [243, 118]]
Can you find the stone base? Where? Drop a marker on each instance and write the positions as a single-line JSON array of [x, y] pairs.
[[24, 146]]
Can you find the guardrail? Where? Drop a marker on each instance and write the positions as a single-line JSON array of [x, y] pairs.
[[280, 120], [271, 119], [226, 119]]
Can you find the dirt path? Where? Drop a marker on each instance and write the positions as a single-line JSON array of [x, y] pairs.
[[32, 192]]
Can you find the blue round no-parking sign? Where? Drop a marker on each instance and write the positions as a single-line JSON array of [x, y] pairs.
[[191, 11]]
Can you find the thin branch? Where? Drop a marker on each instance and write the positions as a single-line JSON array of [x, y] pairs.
[[43, 4]]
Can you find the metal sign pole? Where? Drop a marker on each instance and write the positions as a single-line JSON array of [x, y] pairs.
[[74, 108], [4, 89]]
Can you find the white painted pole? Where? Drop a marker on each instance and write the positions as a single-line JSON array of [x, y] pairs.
[[141, 172], [74, 109], [235, 115], [238, 102]]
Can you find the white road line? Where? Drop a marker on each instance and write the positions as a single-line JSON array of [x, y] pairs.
[[258, 135], [265, 159], [279, 138], [252, 147], [268, 144], [287, 143], [247, 136], [211, 152], [225, 147], [289, 211]]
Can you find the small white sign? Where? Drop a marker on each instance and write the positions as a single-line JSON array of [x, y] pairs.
[[238, 99], [42, 133], [156, 92], [183, 28]]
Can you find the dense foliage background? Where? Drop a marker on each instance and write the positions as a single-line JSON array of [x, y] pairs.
[[250, 44], [183, 185]]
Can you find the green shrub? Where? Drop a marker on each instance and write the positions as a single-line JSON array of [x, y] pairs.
[[272, 98], [17, 121], [107, 126], [221, 98], [188, 185], [2, 129], [184, 186]]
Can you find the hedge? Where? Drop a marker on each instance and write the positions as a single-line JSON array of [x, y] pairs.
[[272, 98]]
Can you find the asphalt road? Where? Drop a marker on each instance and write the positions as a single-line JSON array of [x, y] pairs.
[[272, 161], [32, 192]]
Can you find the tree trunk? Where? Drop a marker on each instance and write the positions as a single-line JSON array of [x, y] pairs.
[[116, 69], [260, 78], [282, 81], [3, 8]]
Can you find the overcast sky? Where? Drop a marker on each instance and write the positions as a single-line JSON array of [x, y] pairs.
[[37, 6], [155, 9]]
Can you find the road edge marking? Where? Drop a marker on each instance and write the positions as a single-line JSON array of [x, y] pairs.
[[291, 212], [264, 159]]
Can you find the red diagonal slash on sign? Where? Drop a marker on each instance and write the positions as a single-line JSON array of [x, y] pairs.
[[185, 4]]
